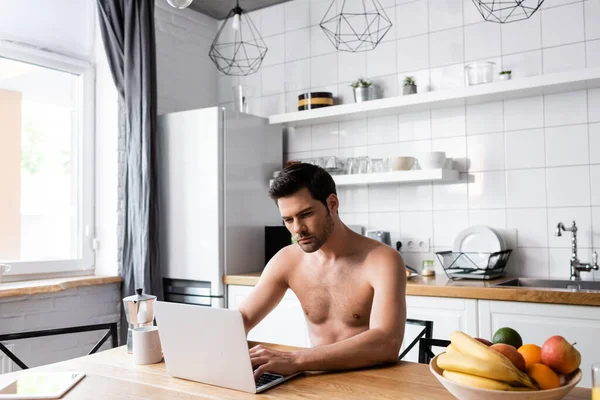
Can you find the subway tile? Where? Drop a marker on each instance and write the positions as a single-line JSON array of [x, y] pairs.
[[274, 20], [297, 14], [494, 218], [594, 105], [382, 60], [319, 43], [320, 9], [455, 148], [595, 184], [568, 186], [525, 149], [555, 29], [386, 86], [531, 225], [323, 70], [413, 53], [384, 198], [521, 36], [351, 66], [446, 47], [445, 14], [411, 19], [594, 130], [524, 113], [482, 41], [276, 52], [416, 197], [273, 80], [297, 44], [592, 52], [524, 64], [386, 221], [487, 190], [298, 139], [592, 16], [448, 77], [528, 262], [567, 145], [451, 196], [486, 152], [297, 76], [565, 108], [485, 118], [525, 188], [596, 228], [448, 122], [382, 129], [325, 136], [564, 58], [353, 133], [446, 225], [414, 126]]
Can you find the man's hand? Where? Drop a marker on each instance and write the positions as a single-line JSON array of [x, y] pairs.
[[265, 359]]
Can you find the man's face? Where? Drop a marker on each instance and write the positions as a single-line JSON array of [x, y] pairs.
[[309, 221]]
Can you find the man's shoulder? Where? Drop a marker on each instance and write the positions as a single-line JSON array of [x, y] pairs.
[[381, 256]]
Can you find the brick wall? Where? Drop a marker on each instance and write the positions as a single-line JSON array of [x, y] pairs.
[[74, 307]]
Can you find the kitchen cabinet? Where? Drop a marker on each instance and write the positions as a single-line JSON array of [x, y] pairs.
[[447, 314], [284, 325], [537, 322]]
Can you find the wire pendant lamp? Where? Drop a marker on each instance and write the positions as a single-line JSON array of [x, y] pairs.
[[504, 11], [355, 25], [238, 49]]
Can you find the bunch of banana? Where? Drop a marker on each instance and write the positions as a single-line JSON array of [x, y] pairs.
[[470, 362]]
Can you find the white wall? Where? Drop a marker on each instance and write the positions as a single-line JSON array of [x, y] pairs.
[[531, 162], [87, 305], [186, 75]]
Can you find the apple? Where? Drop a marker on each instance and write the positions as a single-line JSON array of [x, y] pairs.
[[484, 341], [511, 353], [560, 355]]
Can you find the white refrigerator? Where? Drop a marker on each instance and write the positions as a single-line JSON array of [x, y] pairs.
[[213, 177]]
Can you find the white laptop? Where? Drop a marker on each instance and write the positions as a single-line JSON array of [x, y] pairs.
[[209, 345]]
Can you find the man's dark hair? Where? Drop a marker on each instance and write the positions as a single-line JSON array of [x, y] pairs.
[[297, 176]]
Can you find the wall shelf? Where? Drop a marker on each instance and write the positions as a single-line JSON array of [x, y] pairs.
[[379, 178], [495, 91]]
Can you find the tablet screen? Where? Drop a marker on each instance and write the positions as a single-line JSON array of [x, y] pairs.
[[40, 385]]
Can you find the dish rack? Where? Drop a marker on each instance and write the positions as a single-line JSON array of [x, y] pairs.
[[463, 265]]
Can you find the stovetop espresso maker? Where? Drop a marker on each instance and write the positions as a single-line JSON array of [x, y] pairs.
[[139, 310]]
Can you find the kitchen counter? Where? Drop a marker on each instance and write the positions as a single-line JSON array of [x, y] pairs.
[[111, 374], [440, 286], [26, 288]]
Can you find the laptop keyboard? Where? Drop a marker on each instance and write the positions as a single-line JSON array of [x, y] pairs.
[[267, 378]]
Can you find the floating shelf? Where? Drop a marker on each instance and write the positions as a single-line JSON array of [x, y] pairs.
[[379, 178], [500, 90]]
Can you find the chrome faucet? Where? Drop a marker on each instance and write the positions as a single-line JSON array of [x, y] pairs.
[[576, 265]]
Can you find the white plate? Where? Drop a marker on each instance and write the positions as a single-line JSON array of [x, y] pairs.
[[477, 239]]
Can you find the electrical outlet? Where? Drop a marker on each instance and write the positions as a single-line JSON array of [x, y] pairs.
[[415, 245]]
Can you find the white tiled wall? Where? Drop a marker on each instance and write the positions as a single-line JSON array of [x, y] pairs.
[[527, 164]]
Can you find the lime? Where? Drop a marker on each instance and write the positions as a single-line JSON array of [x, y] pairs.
[[508, 336]]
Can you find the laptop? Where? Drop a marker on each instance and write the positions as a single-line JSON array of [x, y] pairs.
[[209, 345]]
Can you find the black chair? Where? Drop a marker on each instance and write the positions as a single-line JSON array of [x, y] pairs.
[[112, 333], [427, 333], [425, 345]]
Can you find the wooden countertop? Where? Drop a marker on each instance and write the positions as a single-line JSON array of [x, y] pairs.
[[440, 286], [111, 375], [25, 288]]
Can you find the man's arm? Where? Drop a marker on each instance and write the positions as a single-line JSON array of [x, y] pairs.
[[267, 293], [380, 344]]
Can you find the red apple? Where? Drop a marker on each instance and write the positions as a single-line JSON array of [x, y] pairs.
[[560, 355], [511, 353]]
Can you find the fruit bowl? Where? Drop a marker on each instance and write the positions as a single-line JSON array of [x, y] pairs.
[[463, 392]]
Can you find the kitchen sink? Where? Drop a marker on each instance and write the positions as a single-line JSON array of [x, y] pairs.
[[551, 284]]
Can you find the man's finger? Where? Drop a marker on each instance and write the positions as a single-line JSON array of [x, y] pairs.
[[260, 370], [257, 361], [255, 349]]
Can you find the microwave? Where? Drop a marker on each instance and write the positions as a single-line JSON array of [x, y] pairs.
[[276, 238]]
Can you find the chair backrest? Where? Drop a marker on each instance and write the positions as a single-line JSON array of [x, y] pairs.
[[427, 332], [425, 345]]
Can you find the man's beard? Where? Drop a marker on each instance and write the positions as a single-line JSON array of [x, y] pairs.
[[318, 239]]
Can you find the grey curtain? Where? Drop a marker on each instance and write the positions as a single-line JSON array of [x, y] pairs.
[[127, 28]]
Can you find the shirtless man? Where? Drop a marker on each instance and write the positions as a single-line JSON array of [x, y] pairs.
[[351, 288]]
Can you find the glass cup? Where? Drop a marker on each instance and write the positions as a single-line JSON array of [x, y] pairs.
[[351, 165], [241, 99], [376, 165], [363, 165], [596, 381]]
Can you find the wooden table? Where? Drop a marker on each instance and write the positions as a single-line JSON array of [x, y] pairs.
[[112, 375]]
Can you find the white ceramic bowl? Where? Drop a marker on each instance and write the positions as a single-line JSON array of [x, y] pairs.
[[401, 163], [432, 160], [463, 392]]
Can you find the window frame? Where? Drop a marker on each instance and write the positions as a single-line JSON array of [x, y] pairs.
[[85, 264]]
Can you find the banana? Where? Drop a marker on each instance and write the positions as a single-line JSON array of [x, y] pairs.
[[468, 346], [475, 381], [471, 365], [452, 349]]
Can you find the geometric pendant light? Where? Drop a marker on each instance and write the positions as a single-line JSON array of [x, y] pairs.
[[355, 25], [504, 11], [238, 49]]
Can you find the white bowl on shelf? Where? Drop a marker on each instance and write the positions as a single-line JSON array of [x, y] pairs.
[[401, 163], [463, 392], [432, 160]]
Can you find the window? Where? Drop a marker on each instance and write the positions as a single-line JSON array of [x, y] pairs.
[[46, 162]]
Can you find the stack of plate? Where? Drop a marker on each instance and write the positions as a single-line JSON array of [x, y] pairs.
[[477, 242]]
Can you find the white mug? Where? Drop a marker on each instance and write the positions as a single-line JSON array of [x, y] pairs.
[[146, 345]]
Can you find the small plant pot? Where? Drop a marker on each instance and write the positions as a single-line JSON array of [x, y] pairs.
[[364, 94], [505, 77], [409, 89]]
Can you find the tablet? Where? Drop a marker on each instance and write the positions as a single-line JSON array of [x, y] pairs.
[[40, 385]]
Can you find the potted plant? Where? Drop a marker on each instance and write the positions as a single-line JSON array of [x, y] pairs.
[[505, 75], [410, 86], [363, 90]]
